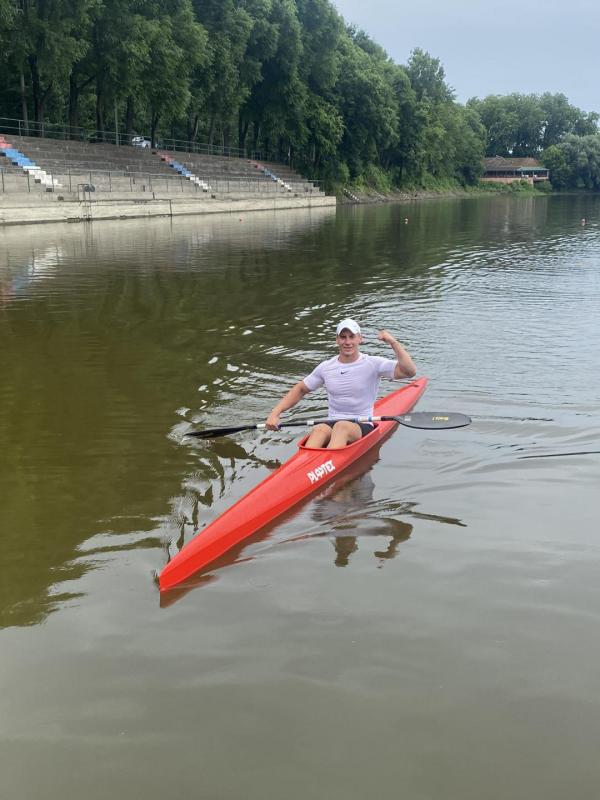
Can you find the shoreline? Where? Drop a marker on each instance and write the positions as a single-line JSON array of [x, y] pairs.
[[42, 208], [372, 196], [54, 207]]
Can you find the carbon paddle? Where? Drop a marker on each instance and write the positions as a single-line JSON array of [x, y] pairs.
[[423, 420]]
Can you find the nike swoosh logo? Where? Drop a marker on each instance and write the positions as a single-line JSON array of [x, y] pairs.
[[344, 371]]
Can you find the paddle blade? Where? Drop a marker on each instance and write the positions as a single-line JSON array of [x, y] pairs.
[[433, 420], [214, 433]]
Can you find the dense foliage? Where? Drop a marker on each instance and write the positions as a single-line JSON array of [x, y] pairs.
[[523, 125], [547, 127], [575, 162], [284, 78]]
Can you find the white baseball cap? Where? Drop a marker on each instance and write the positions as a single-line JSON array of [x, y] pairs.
[[349, 324]]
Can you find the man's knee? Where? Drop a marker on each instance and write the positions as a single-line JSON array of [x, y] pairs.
[[344, 432], [343, 426], [319, 436]]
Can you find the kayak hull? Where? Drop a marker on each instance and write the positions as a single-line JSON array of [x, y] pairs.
[[306, 472]]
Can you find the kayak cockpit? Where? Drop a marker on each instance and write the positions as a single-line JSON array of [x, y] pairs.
[[302, 443]]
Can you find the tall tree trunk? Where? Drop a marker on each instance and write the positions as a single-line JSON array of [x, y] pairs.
[[99, 110], [117, 121], [75, 90], [226, 137], [211, 130], [242, 132], [316, 160], [40, 96], [280, 149], [129, 118], [24, 113], [153, 125], [255, 135], [192, 128], [73, 107], [35, 86]]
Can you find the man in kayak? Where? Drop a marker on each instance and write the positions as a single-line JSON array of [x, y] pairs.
[[351, 380]]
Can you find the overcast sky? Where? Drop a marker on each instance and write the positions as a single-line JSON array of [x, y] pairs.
[[494, 47]]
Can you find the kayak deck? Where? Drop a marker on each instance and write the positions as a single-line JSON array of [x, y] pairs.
[[303, 474]]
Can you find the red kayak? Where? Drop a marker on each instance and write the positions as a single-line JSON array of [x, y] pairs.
[[303, 474]]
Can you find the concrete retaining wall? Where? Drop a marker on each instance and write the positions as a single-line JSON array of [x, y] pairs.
[[28, 209]]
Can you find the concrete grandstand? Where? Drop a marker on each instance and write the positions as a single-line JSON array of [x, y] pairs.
[[42, 171]]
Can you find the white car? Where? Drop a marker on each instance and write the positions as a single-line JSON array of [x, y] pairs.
[[139, 141]]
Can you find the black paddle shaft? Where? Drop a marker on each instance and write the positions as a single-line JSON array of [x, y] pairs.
[[423, 420]]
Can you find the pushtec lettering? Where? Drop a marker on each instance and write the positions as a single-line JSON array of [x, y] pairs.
[[316, 474]]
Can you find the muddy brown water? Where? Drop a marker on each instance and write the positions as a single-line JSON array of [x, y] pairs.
[[425, 628]]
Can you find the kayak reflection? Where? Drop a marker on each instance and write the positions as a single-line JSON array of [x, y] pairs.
[[350, 507], [344, 487], [344, 512]]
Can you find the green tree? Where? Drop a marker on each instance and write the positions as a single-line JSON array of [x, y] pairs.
[[427, 77], [403, 154], [575, 162], [121, 48], [445, 141], [220, 85], [44, 42], [561, 174], [177, 44], [322, 31], [466, 149], [261, 47], [524, 125], [276, 106], [515, 124], [369, 108], [499, 121], [325, 129], [7, 13]]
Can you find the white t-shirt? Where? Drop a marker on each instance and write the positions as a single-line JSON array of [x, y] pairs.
[[351, 388]]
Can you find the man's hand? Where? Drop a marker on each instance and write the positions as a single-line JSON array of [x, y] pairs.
[[405, 368], [295, 394], [272, 422], [385, 336]]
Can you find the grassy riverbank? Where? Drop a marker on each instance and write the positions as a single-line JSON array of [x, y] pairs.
[[364, 193]]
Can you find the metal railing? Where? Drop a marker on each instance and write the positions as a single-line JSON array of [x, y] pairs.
[[49, 130]]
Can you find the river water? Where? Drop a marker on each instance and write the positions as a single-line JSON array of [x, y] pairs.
[[427, 629]]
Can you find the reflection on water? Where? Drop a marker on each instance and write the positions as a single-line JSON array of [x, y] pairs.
[[115, 339], [345, 511], [39, 264], [350, 506], [346, 504], [106, 329]]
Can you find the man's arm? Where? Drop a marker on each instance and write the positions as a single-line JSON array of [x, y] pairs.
[[405, 366], [295, 394]]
